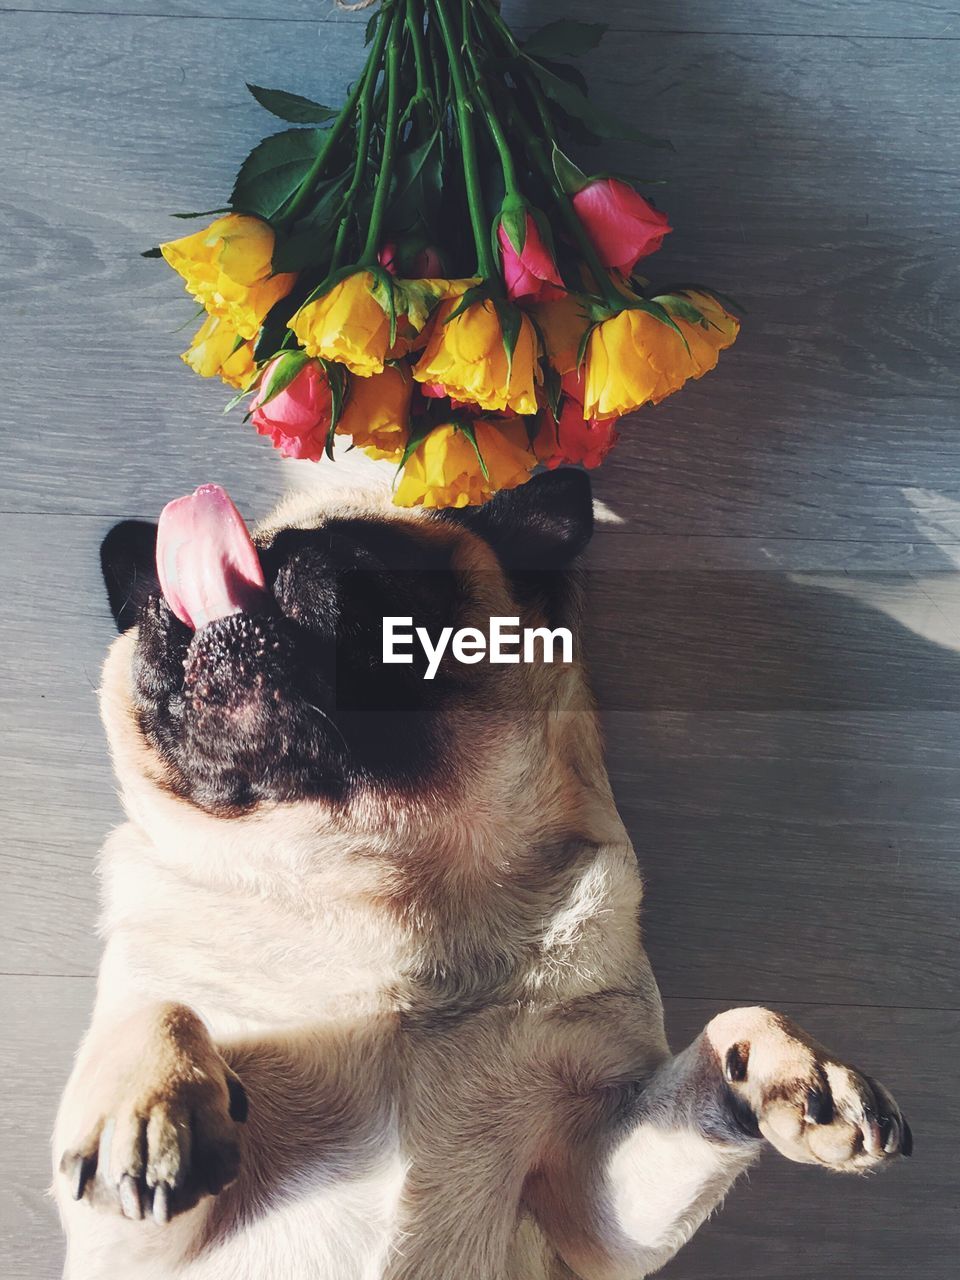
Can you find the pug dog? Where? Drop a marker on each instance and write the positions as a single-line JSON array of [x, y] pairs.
[[374, 1003]]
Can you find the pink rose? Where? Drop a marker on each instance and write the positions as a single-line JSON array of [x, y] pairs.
[[572, 439], [622, 225], [427, 265], [432, 390], [387, 257], [531, 274], [297, 419], [424, 265]]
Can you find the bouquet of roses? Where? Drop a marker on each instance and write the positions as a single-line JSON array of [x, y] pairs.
[[426, 272]]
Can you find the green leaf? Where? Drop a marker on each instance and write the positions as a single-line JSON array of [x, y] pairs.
[[513, 219], [274, 170], [567, 71], [417, 437], [659, 313], [310, 245], [682, 307], [339, 385], [273, 331], [371, 27], [511, 322], [467, 430], [478, 293], [411, 163], [305, 248], [286, 367], [565, 39], [723, 298], [291, 106], [579, 106], [235, 400], [552, 388], [417, 300], [418, 178], [570, 176], [385, 293], [584, 343]]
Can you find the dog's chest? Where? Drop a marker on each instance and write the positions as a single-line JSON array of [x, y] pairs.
[[386, 1154]]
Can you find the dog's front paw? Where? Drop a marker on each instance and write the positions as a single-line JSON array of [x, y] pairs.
[[808, 1105], [154, 1131]]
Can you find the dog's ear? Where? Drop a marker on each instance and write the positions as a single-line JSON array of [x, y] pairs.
[[128, 558], [544, 524]]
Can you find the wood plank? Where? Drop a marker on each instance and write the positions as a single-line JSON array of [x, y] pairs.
[[43, 1020], [886, 19], [773, 877], [833, 418], [787, 1221], [770, 641]]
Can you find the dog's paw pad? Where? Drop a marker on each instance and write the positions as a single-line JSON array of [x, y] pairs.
[[812, 1108]]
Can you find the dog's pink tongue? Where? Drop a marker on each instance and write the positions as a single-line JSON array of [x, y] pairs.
[[207, 565]]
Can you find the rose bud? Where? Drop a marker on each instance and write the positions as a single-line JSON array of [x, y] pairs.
[[531, 274], [296, 419], [622, 225]]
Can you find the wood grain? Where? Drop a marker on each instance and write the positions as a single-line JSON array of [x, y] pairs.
[[879, 19], [774, 596]]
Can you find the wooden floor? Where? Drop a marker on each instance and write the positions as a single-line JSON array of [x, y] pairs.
[[776, 597]]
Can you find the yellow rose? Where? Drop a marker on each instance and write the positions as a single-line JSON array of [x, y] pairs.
[[563, 324], [227, 268], [466, 356], [377, 413], [445, 471], [214, 350], [705, 341], [416, 301], [347, 324], [633, 357]]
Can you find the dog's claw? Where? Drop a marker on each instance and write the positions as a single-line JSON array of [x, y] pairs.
[[735, 1063], [77, 1170], [130, 1201], [819, 1106], [906, 1142], [161, 1204]]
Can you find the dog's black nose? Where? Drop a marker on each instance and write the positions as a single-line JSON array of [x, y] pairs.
[[234, 656]]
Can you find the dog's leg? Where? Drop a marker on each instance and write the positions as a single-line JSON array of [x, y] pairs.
[[683, 1138], [147, 1125]]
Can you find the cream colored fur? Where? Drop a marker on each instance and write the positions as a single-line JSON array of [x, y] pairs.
[[437, 1010]]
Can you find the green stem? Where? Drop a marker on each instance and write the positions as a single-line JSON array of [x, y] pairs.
[[501, 28], [436, 63], [415, 26], [371, 75], [384, 178], [305, 190], [510, 179], [569, 214], [535, 147], [468, 146]]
